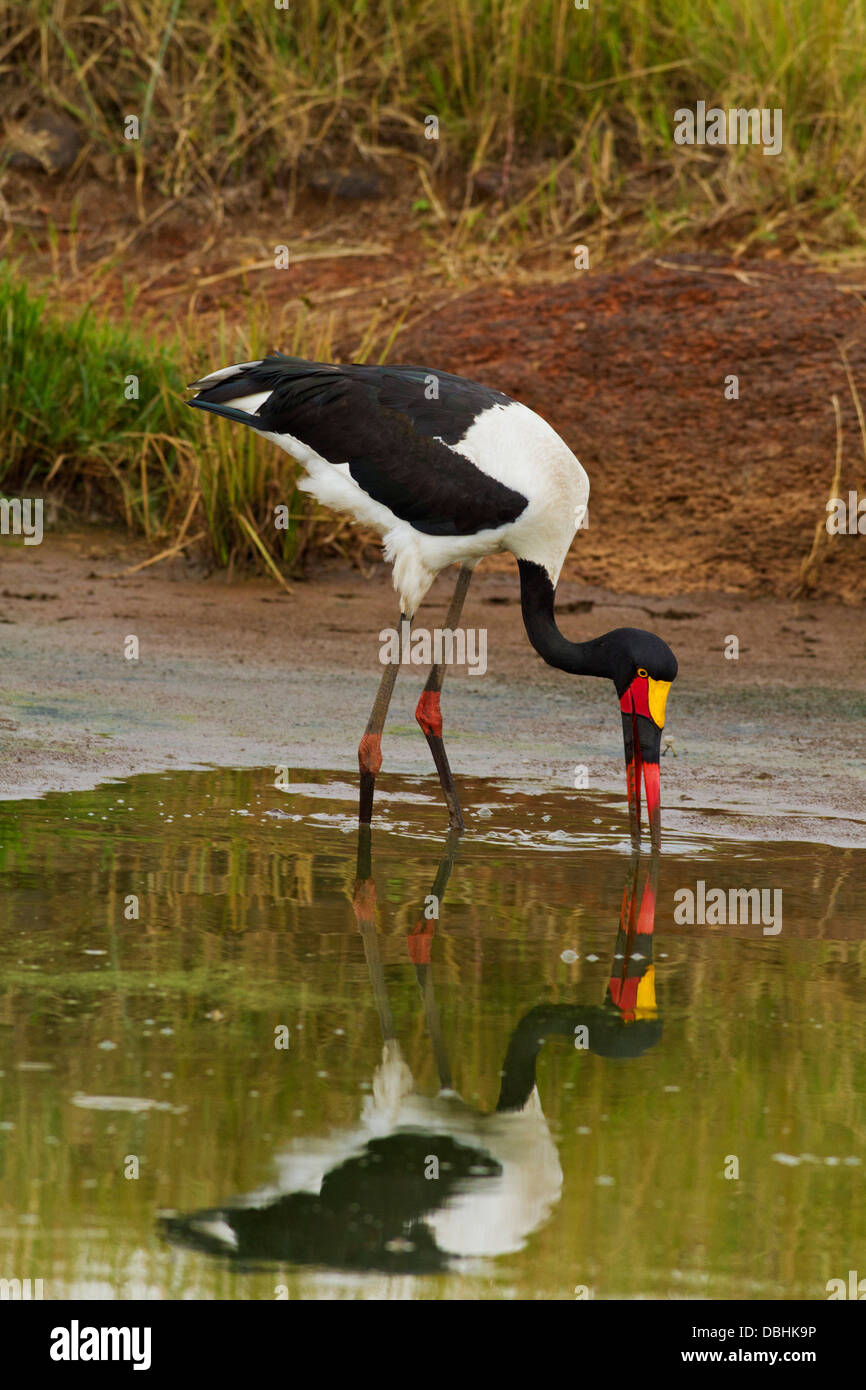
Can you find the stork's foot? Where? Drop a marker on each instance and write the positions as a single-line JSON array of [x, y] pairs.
[[365, 798], [455, 815], [420, 942], [429, 716]]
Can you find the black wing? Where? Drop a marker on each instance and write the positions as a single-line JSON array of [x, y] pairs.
[[392, 425]]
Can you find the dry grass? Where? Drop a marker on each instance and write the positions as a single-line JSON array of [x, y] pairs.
[[569, 113]]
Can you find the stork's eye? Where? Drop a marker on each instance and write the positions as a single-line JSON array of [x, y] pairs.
[[641, 671]]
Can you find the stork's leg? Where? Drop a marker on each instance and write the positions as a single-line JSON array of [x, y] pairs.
[[364, 906], [370, 747], [420, 942], [428, 711]]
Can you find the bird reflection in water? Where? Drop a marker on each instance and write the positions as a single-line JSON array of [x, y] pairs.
[[422, 1183]]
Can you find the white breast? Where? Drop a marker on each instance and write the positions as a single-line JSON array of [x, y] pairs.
[[514, 445], [492, 1217]]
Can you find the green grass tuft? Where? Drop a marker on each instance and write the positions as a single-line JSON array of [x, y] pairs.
[[73, 421]]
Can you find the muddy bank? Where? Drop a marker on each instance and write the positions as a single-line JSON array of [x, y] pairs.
[[698, 394], [243, 675]]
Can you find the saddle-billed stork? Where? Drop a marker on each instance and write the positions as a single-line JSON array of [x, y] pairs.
[[448, 471]]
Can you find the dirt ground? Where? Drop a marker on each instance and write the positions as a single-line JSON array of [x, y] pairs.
[[241, 674], [690, 491]]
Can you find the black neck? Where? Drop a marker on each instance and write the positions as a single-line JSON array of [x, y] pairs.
[[608, 1034], [542, 1022], [593, 658]]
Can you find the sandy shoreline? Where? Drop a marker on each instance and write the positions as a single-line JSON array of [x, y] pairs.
[[243, 675]]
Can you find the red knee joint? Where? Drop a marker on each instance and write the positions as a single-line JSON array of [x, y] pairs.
[[420, 942], [428, 713], [364, 900], [370, 753]]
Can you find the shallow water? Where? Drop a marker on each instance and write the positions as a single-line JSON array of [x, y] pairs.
[[664, 1059]]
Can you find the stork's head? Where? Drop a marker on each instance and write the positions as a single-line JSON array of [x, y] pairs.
[[641, 666], [644, 668]]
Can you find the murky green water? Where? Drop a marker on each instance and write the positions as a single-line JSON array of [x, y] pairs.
[[270, 1025]]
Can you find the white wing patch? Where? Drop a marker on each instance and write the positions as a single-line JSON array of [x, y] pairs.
[[250, 403], [217, 1229], [223, 374]]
